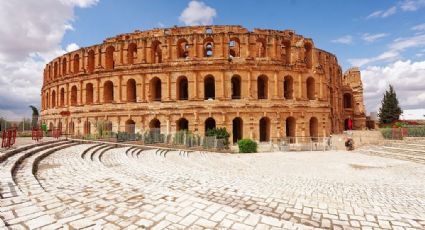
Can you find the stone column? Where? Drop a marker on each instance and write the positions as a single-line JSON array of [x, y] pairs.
[[120, 89], [275, 94]]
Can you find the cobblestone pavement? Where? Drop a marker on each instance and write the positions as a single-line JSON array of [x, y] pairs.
[[97, 186]]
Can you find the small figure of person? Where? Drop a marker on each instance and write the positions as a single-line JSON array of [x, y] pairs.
[[349, 144]]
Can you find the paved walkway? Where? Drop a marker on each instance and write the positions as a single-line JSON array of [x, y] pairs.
[[99, 185]]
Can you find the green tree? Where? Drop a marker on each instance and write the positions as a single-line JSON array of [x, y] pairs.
[[35, 115], [390, 110]]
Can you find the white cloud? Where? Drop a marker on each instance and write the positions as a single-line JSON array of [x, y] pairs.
[[197, 13], [27, 42], [412, 5], [407, 77], [347, 39], [383, 13], [373, 37], [72, 47], [420, 27]]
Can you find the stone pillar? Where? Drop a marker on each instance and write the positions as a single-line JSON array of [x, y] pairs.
[[300, 87], [168, 98], [276, 84], [80, 101], [223, 89], [98, 91], [249, 84], [119, 89], [143, 51], [195, 84]]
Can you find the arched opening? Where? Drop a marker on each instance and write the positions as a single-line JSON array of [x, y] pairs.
[[308, 54], [49, 72], [74, 95], [51, 126], [154, 124], [286, 51], [208, 47], [182, 48], [209, 87], [348, 124], [130, 127], [64, 66], [236, 87], [182, 88], [47, 100], [109, 58], [55, 70], [87, 127], [311, 89], [290, 129], [62, 97], [71, 128], [131, 90], [182, 124], [156, 52], [108, 92], [76, 63], [90, 61], [234, 47], [288, 87], [237, 129], [209, 124], [348, 99], [53, 99], [261, 47], [60, 126], [262, 87], [89, 93], [155, 88], [264, 129], [131, 53], [314, 129]]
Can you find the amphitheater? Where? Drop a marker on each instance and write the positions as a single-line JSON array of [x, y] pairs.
[[60, 184], [261, 84]]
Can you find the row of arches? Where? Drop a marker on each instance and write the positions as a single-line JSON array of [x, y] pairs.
[[183, 48], [182, 90]]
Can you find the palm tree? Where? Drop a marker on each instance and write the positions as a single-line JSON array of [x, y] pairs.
[[35, 115]]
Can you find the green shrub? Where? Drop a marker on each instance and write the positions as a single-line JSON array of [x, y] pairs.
[[219, 133], [247, 146]]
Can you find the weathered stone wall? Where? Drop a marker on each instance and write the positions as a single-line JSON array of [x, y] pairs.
[[276, 75]]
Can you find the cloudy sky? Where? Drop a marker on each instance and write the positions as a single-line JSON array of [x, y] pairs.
[[386, 39]]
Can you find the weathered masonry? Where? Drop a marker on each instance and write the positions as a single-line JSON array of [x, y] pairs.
[[261, 84]]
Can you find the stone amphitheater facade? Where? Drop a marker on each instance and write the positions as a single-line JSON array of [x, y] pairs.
[[261, 84]]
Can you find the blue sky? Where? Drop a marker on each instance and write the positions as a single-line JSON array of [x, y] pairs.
[[386, 39]]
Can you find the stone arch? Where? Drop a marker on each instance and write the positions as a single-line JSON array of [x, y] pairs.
[[288, 87], [308, 49], [182, 48], [262, 87], [237, 129], [131, 53], [261, 47], [314, 128], [156, 52], [87, 128], [311, 88], [64, 66], [182, 124], [234, 47], [291, 126], [182, 88], [108, 92], [264, 129], [71, 128], [209, 124], [286, 51], [155, 89], [109, 58], [74, 93], [209, 87], [62, 97], [53, 98], [208, 47], [55, 70], [130, 127], [90, 61], [47, 100], [154, 124], [236, 87], [348, 101], [131, 90], [89, 93], [60, 125], [76, 63]]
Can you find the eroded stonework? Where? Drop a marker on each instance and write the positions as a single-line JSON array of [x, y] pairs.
[[260, 84]]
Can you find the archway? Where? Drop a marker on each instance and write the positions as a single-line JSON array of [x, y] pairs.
[[208, 47], [262, 86], [156, 52], [64, 66], [89, 93], [76, 63], [264, 129], [182, 124], [288, 87], [209, 124], [182, 88], [234, 47], [209, 87], [155, 87], [74, 95], [131, 90], [154, 124], [62, 97], [131, 53], [182, 48], [308, 54], [236, 87], [53, 99], [237, 129], [314, 129], [290, 129], [347, 101], [130, 127], [90, 61], [87, 128], [109, 58], [311, 89], [108, 92]]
